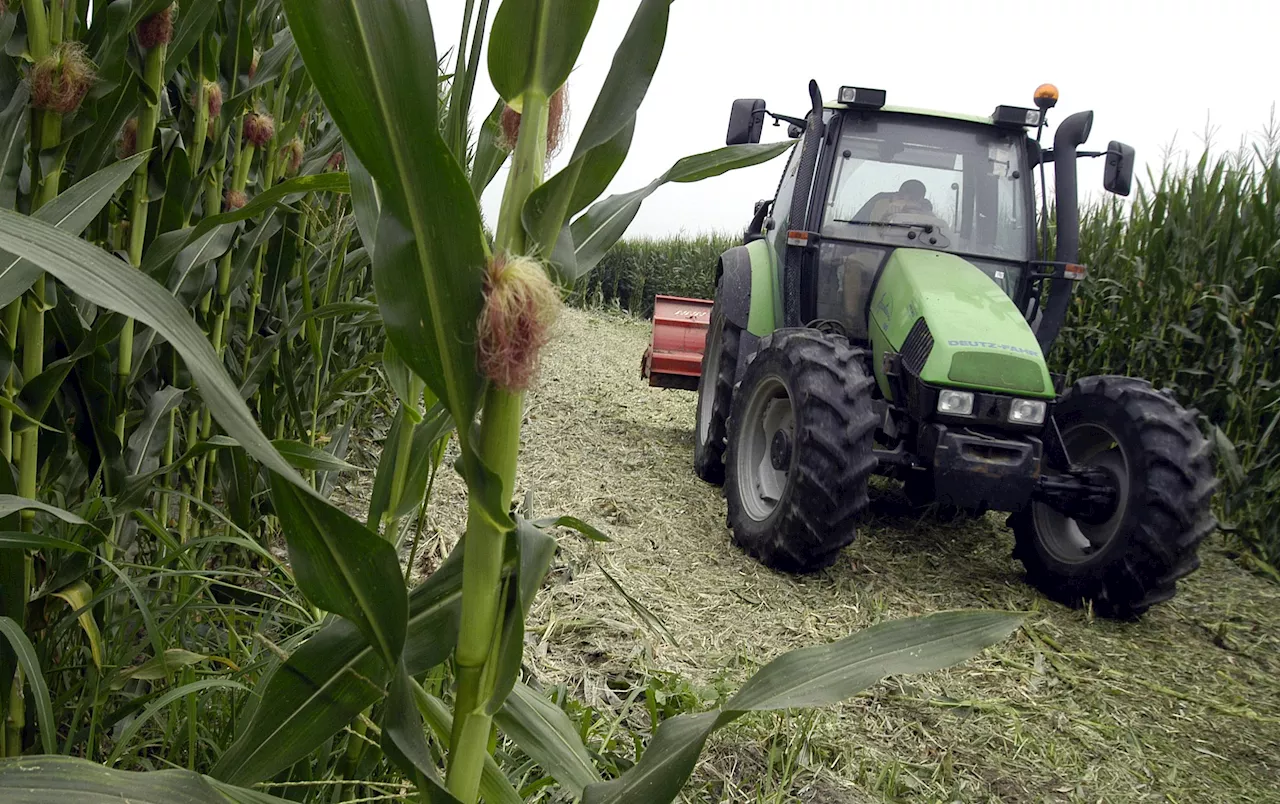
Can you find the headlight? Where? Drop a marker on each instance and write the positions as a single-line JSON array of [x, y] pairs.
[[957, 403], [1027, 411]]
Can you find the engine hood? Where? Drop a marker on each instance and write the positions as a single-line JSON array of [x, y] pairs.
[[954, 326]]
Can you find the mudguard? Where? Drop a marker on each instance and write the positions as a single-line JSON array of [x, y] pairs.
[[749, 296], [733, 279]]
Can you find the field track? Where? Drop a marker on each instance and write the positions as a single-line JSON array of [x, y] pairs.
[[1183, 706]]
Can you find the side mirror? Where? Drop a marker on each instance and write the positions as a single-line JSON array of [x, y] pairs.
[[1117, 177], [745, 121]]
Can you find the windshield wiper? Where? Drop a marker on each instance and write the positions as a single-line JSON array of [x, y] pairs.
[[926, 227]]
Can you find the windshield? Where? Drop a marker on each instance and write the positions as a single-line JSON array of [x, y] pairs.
[[932, 183]]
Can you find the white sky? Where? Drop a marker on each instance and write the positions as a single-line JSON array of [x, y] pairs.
[[1154, 73]]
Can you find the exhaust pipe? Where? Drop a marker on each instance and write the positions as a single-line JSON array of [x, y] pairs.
[[1071, 134]]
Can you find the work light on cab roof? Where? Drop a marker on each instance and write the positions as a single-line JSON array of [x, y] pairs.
[[889, 311]]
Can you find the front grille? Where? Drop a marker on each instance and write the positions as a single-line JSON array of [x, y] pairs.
[[917, 346]]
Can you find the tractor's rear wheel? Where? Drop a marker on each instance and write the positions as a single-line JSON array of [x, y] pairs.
[[715, 391], [799, 449], [1164, 479]]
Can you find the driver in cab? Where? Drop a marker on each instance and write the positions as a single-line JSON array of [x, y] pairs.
[[909, 198]]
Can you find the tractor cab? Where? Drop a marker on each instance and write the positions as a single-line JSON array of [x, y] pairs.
[[899, 179]]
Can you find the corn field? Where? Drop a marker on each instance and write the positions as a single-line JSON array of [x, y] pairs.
[[232, 234], [1185, 291], [635, 270]]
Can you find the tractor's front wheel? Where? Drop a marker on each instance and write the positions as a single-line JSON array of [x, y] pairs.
[[715, 390], [799, 450], [1162, 471]]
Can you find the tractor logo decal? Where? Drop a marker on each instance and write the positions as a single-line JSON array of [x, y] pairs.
[[885, 305], [1002, 346]]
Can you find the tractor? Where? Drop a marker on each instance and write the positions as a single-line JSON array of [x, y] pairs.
[[888, 313]]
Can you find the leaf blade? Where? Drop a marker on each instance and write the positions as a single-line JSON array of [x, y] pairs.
[[546, 734]]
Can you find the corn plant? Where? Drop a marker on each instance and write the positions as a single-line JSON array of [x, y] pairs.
[[1185, 291], [424, 677], [637, 269], [125, 122]]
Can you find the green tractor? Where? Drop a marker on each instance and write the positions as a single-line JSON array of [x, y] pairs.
[[887, 314]]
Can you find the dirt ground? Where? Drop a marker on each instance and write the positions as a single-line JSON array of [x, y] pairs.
[[1183, 706]]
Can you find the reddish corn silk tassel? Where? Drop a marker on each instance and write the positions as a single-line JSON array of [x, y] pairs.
[[157, 29], [60, 80], [128, 143], [521, 306], [557, 122], [212, 98], [557, 119], [291, 156], [336, 161], [233, 200], [259, 128]]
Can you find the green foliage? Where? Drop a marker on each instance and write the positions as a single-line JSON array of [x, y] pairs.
[[1184, 290], [635, 270]]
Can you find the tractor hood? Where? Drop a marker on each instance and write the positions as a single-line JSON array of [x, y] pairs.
[[954, 326]]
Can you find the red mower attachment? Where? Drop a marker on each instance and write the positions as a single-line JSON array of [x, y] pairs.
[[674, 356]]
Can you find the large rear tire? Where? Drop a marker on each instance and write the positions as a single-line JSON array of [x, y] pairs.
[[1163, 467], [715, 392], [799, 450]]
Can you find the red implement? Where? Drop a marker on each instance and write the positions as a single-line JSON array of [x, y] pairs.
[[674, 357]]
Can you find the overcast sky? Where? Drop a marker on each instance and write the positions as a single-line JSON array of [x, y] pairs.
[[1154, 73]]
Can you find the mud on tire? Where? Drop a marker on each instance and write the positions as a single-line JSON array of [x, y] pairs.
[[1161, 519], [715, 392], [830, 455]]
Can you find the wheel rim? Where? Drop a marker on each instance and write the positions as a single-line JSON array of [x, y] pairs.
[[768, 411], [1068, 539], [710, 376]]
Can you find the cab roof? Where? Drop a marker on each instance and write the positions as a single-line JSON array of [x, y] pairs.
[[968, 118]]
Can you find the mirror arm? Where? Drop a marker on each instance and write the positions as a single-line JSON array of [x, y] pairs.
[[782, 118], [1047, 154]]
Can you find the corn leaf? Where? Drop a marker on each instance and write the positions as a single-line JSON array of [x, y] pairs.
[[545, 733], [437, 424], [374, 64], [606, 137], [344, 568], [494, 787], [596, 230], [815, 676], [159, 667], [158, 705], [365, 202], [305, 456], [41, 779], [490, 155], [30, 664], [73, 210], [334, 676], [9, 503], [110, 283], [77, 596], [146, 440], [534, 44], [405, 743], [191, 25], [13, 132], [532, 550], [14, 539]]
